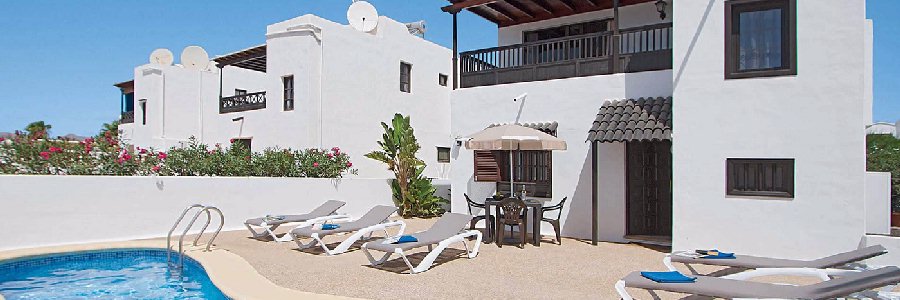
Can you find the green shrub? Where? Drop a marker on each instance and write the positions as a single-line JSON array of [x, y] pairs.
[[883, 155]]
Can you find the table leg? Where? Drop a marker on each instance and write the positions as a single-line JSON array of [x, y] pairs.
[[487, 223], [536, 227]]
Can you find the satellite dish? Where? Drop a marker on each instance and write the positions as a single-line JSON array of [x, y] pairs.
[[162, 57], [194, 57], [362, 16], [416, 28]]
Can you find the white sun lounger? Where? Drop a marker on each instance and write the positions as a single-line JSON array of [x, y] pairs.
[[446, 231], [267, 225], [837, 264], [374, 220], [734, 288]]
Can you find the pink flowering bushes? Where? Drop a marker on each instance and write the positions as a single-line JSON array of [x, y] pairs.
[[106, 155]]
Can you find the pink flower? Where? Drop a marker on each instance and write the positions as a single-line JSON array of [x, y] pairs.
[[2, 139], [162, 155], [120, 161], [143, 151], [126, 156], [231, 141], [211, 151], [45, 155], [87, 148], [329, 155], [349, 164], [56, 150], [315, 165], [155, 168], [336, 150], [88, 140]]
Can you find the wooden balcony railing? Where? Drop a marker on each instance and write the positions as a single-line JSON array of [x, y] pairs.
[[646, 48], [245, 102], [127, 117]]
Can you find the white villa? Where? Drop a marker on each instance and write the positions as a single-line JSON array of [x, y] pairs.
[[733, 124]]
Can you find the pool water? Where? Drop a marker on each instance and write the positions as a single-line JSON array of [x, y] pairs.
[[106, 274]]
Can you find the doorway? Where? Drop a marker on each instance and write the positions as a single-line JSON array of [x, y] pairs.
[[648, 204]]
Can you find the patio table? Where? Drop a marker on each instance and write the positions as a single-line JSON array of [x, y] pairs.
[[537, 211]]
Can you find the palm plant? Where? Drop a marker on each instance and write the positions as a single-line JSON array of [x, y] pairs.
[[38, 129], [413, 193]]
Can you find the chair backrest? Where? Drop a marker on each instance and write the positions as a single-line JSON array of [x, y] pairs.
[[558, 208], [377, 214], [511, 209], [327, 208], [449, 225], [472, 204]]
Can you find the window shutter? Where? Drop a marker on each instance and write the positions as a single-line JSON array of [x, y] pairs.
[[486, 167]]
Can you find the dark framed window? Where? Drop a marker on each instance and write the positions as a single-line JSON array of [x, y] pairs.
[[443, 154], [288, 84], [760, 177], [442, 79], [760, 38], [405, 77], [144, 112], [245, 143], [595, 26], [238, 92]]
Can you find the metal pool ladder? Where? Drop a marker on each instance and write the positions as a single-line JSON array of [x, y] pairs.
[[201, 209]]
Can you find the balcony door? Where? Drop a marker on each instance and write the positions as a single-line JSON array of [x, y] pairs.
[[560, 50]]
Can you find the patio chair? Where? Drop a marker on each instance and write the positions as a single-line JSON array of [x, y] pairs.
[[511, 212], [555, 222], [852, 284], [489, 222], [446, 231], [845, 261], [267, 225], [363, 228]]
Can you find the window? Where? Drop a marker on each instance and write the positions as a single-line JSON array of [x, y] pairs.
[[760, 177], [288, 82], [143, 111], [405, 77], [443, 155], [589, 27], [245, 143], [761, 38], [238, 92], [442, 79]]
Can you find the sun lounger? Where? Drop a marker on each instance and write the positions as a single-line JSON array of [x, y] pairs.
[[729, 288], [847, 260], [446, 231], [372, 221], [268, 224]]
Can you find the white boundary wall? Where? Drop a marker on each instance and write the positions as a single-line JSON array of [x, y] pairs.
[[54, 210], [878, 203]]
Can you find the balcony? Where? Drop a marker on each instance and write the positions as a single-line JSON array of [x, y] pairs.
[[647, 48], [127, 117], [245, 102]]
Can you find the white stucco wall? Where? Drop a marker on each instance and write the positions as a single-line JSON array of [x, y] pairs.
[[868, 85], [630, 16], [878, 203], [85, 209], [891, 243], [574, 103], [346, 82], [770, 118]]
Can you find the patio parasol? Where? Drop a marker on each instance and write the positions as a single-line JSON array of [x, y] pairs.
[[513, 137]]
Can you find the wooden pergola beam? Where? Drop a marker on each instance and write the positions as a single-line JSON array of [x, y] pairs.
[[568, 4], [482, 12], [521, 8], [592, 3], [501, 10], [543, 5], [455, 7]]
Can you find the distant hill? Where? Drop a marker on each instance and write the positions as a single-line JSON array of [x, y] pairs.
[[71, 136]]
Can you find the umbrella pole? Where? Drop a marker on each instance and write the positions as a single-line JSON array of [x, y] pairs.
[[512, 177]]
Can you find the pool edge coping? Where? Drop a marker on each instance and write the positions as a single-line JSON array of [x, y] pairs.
[[231, 273]]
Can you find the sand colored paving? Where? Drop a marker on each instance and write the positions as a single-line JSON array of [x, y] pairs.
[[245, 268]]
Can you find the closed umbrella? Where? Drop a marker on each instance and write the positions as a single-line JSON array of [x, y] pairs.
[[513, 137]]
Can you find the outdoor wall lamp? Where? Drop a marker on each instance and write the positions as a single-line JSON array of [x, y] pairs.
[[661, 8]]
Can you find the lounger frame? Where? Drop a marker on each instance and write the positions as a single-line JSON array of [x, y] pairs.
[[269, 230], [433, 253], [365, 233]]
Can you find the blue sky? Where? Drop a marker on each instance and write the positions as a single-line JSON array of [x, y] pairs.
[[59, 59]]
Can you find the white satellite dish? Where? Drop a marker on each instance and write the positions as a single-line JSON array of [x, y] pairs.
[[416, 28], [194, 57], [162, 57], [362, 16]]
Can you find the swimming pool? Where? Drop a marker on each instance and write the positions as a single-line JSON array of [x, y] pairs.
[[105, 274]]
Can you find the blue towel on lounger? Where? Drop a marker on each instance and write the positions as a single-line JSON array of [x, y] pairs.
[[668, 277], [720, 255], [330, 226], [406, 239]]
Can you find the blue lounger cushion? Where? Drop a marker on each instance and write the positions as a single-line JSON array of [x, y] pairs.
[[406, 239], [720, 255], [668, 277], [330, 226]]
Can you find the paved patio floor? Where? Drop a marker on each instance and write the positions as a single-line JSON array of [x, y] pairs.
[[573, 270]]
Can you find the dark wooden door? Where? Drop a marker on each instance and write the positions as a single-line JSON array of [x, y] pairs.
[[649, 188]]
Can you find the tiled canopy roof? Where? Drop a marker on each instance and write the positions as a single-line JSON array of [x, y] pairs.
[[542, 126], [644, 119]]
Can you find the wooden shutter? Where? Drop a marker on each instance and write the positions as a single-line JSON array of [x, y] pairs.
[[486, 167]]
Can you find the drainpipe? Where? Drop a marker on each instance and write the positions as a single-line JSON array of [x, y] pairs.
[[455, 52], [595, 200], [616, 39]]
